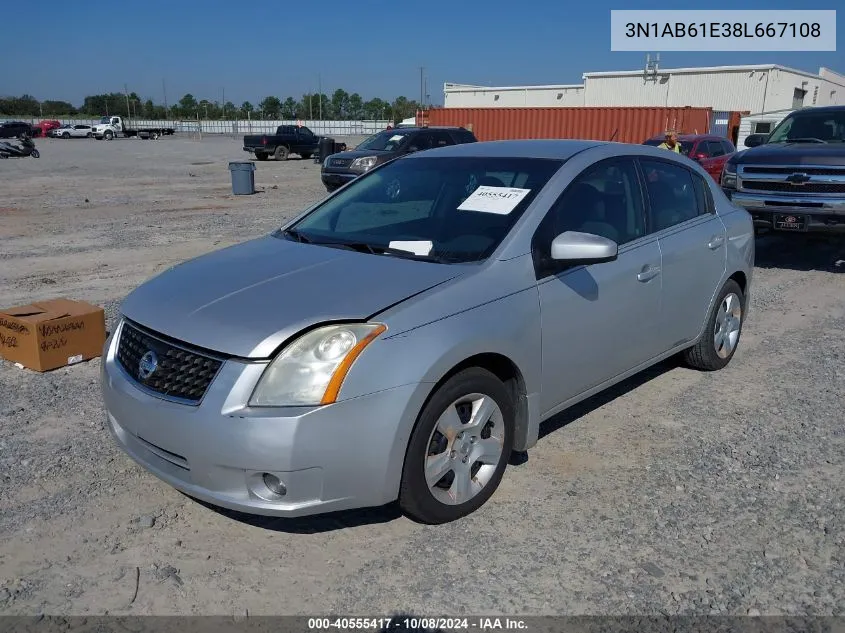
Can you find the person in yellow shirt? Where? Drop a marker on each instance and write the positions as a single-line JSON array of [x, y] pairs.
[[671, 142]]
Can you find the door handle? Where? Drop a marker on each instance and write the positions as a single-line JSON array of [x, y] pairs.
[[648, 272], [715, 242]]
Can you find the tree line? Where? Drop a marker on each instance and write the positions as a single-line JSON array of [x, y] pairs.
[[340, 106]]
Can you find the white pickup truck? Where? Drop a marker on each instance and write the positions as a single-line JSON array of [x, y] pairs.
[[111, 127]]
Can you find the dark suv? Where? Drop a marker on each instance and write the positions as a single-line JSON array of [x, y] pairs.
[[15, 129], [794, 178], [339, 169]]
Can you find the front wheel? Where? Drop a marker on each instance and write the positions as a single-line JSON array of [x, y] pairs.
[[459, 448], [89, 135], [35, 153], [721, 334], [65, 135], [109, 135]]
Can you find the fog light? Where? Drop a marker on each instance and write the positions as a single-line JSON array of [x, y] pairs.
[[275, 485]]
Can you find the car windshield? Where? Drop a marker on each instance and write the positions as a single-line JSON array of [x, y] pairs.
[[105, 119], [388, 141], [686, 146], [444, 209], [811, 127]]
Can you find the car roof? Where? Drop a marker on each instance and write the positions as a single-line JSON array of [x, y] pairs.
[[828, 108], [419, 128], [529, 148]]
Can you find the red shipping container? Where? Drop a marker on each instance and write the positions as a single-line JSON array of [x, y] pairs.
[[626, 125]]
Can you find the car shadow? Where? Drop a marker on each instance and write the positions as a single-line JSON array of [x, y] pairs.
[[318, 524], [607, 396], [801, 252]]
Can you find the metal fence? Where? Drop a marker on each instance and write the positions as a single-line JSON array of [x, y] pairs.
[[233, 127]]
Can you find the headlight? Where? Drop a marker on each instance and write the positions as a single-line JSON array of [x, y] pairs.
[[729, 175], [363, 164], [311, 370]]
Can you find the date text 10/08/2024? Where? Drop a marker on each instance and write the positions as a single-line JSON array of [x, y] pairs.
[[458, 624], [723, 29]]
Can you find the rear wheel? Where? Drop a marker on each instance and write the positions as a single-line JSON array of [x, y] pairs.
[[459, 448], [281, 153], [89, 135], [721, 334], [154, 136], [35, 154]]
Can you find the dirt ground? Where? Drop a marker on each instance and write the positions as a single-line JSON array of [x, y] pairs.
[[678, 492]]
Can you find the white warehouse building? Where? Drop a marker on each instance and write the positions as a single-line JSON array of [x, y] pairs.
[[761, 88]]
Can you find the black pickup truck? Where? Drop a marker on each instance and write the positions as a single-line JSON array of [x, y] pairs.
[[288, 139], [794, 178]]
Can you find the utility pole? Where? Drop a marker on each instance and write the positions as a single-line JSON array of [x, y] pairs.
[[422, 88], [164, 91], [223, 102], [126, 92], [320, 96]]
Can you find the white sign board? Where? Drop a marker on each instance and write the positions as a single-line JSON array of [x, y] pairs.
[[498, 200]]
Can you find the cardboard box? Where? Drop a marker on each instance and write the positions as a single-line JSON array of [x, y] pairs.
[[51, 334]]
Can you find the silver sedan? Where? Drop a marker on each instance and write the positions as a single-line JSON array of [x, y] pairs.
[[402, 337]]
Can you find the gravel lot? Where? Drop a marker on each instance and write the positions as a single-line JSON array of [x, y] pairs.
[[679, 492]]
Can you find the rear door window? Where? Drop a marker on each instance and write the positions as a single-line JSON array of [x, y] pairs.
[[671, 193]]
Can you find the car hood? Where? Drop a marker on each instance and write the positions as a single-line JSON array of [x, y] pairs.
[[792, 154], [247, 299], [360, 153]]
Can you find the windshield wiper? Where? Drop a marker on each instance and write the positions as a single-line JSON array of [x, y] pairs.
[[299, 237], [805, 139]]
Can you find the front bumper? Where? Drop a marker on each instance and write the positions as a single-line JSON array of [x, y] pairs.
[[820, 213], [337, 179], [336, 457]]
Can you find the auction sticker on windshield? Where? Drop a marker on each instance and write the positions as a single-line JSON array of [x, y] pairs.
[[396, 137], [499, 200], [417, 247]]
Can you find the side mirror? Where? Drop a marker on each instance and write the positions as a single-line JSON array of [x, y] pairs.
[[583, 248], [753, 140]]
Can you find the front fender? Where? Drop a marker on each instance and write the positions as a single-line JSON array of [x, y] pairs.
[[509, 327]]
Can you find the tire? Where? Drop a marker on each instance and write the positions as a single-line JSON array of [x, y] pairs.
[[89, 135], [281, 153], [35, 153], [260, 156], [306, 155], [440, 502], [65, 135], [715, 349], [154, 136], [108, 135]]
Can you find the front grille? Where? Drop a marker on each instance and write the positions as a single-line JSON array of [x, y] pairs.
[[810, 171], [180, 372], [785, 187], [340, 162]]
